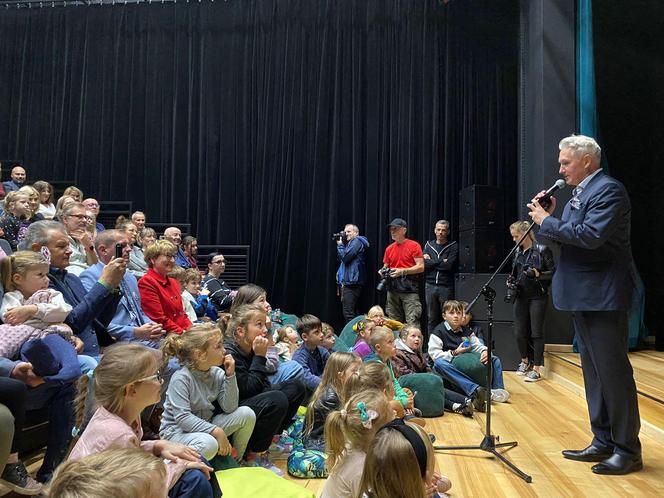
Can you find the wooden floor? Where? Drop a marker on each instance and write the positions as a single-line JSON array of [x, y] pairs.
[[545, 418]]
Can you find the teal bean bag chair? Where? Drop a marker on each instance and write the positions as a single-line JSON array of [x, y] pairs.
[[470, 364], [346, 339], [430, 398]]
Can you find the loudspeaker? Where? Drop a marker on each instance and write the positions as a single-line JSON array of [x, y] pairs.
[[469, 284], [481, 206], [481, 250], [504, 343]]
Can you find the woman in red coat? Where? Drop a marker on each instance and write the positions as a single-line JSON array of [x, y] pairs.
[[160, 294]]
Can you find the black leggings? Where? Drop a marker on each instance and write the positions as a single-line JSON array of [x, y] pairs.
[[274, 409], [12, 395], [529, 325]]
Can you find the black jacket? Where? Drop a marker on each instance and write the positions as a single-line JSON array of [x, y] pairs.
[[440, 267], [250, 372], [539, 257], [327, 403]]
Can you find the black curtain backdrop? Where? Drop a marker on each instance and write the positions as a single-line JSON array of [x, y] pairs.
[[269, 122], [629, 69]]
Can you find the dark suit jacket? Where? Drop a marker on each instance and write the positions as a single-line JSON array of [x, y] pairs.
[[594, 269], [92, 309]]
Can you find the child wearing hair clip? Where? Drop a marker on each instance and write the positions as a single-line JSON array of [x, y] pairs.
[[348, 434], [363, 329], [30, 310], [400, 463]]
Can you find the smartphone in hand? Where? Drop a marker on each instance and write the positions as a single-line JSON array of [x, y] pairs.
[[118, 250]]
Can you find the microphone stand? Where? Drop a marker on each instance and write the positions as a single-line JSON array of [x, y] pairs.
[[490, 442]]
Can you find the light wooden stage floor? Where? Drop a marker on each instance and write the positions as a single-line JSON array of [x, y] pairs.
[[544, 417]]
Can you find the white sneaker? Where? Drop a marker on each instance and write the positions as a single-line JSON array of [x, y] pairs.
[[499, 395], [532, 376]]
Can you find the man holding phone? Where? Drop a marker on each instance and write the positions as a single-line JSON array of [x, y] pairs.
[[129, 322]]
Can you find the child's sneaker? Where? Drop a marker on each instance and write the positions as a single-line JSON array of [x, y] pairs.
[[263, 461], [282, 445], [524, 368], [499, 395], [16, 477]]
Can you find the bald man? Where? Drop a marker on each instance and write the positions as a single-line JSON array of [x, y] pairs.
[[174, 234]]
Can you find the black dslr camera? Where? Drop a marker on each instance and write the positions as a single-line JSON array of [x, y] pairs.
[[339, 236], [385, 276], [512, 290]]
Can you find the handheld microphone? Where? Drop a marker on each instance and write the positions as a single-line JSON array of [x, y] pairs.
[[545, 200]]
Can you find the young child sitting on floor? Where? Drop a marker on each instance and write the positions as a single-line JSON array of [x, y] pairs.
[[310, 354], [382, 343], [363, 329], [308, 457], [377, 315], [126, 381], [400, 463], [329, 337], [348, 434], [201, 408], [126, 472], [288, 341], [409, 359], [449, 340]]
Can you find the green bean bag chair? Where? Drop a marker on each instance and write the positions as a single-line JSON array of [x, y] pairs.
[[430, 398], [346, 339], [250, 482], [470, 364]]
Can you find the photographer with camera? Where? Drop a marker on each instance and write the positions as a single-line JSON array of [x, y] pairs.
[[527, 287], [403, 260], [352, 271]]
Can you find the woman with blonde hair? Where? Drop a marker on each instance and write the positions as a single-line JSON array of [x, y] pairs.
[[74, 192], [529, 281], [160, 294], [33, 201]]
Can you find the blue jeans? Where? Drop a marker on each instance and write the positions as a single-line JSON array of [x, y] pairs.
[[59, 399], [287, 370], [468, 385], [194, 484]]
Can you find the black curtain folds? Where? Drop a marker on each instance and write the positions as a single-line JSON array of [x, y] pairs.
[[269, 122]]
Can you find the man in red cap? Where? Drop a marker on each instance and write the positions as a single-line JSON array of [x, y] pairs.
[[405, 260]]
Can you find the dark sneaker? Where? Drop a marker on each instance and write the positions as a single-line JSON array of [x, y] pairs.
[[15, 476], [524, 368], [480, 397]]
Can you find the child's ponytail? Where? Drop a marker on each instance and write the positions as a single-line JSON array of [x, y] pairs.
[[362, 415]]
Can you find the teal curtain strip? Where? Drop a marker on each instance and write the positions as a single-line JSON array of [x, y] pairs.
[[587, 121]]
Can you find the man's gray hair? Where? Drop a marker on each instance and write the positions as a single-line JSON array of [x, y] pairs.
[[38, 233], [66, 211], [353, 227], [582, 145], [137, 212], [443, 222]]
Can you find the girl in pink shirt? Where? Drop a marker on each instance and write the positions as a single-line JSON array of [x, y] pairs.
[[126, 382]]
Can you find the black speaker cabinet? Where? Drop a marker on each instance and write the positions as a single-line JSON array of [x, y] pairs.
[[481, 250], [481, 206], [504, 343], [469, 284]]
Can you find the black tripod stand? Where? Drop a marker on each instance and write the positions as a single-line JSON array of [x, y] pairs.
[[489, 443]]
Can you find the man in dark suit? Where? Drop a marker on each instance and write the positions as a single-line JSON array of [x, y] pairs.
[[594, 282]]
